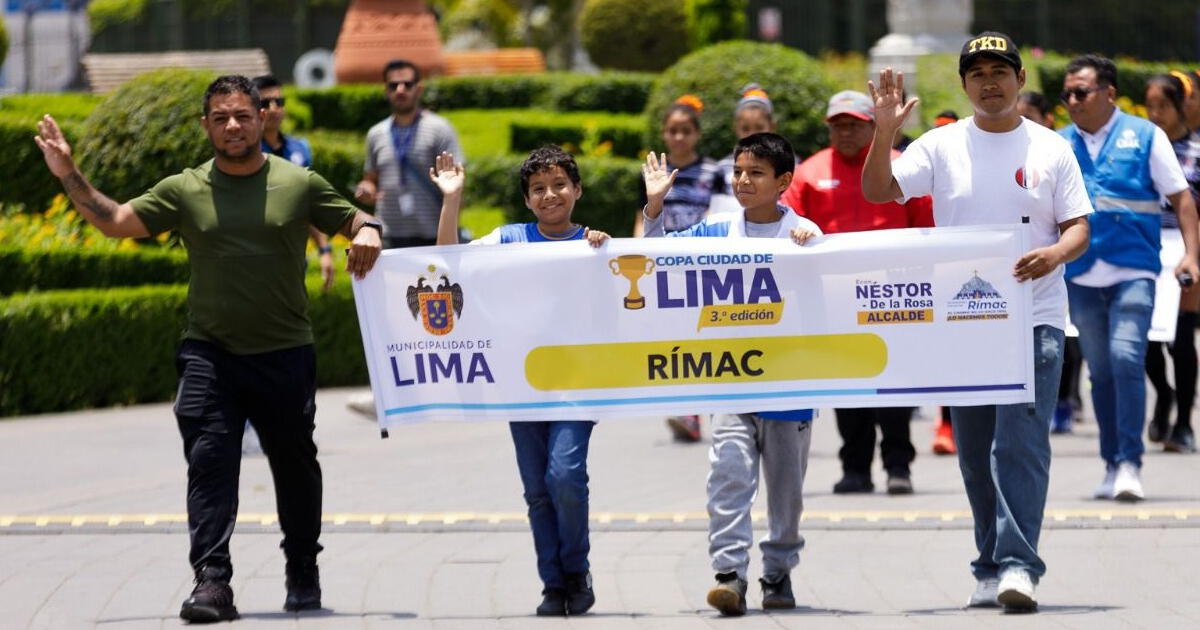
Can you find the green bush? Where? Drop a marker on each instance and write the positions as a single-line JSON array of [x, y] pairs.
[[65, 106], [26, 178], [634, 34], [85, 348], [144, 131], [712, 21], [610, 191], [607, 91], [510, 90], [338, 158], [103, 14], [797, 85], [624, 139], [46, 269], [354, 107]]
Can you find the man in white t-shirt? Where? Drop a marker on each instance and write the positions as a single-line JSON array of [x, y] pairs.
[[997, 167], [1128, 165]]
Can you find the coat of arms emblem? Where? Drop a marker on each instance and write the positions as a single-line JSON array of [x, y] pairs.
[[435, 307]]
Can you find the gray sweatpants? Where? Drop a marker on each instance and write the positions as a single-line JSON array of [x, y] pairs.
[[740, 442]]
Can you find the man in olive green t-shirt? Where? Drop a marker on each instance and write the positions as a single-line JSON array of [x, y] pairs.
[[247, 352]]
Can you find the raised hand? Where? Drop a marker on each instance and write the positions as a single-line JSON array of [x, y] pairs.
[[890, 109], [54, 147], [595, 238], [658, 180], [448, 174]]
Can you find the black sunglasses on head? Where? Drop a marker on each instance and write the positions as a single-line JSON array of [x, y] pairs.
[[266, 102], [408, 85]]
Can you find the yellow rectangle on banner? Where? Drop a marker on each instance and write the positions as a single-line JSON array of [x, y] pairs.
[[765, 314], [695, 361], [896, 316]]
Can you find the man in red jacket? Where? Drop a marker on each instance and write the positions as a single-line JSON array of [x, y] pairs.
[[827, 189]]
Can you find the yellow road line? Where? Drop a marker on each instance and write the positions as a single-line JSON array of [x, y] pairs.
[[1107, 514]]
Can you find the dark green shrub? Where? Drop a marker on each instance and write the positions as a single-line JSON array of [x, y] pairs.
[[634, 34], [478, 92], [610, 191], [338, 159], [625, 140], [49, 269], [145, 130], [3, 42], [354, 107], [25, 179], [527, 136], [607, 91], [65, 350], [712, 21], [797, 85]]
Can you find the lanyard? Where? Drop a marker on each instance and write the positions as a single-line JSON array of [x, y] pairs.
[[401, 146]]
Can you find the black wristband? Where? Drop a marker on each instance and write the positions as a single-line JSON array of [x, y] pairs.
[[328, 249]]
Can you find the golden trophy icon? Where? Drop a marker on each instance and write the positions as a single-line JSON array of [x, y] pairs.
[[633, 267]]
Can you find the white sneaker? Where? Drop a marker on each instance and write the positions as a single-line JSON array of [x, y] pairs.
[[250, 443], [1105, 489], [985, 594], [1128, 484], [1016, 591]]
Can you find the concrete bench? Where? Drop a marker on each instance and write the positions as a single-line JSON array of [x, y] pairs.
[[498, 61], [106, 71]]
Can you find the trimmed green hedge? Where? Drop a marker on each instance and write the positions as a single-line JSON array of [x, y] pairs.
[[65, 106], [357, 107], [625, 140], [610, 191], [51, 269], [26, 179], [76, 349]]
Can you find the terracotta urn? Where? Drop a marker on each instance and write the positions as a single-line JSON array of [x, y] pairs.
[[377, 31]]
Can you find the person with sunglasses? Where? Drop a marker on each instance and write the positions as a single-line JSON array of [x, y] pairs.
[[1128, 166], [400, 151]]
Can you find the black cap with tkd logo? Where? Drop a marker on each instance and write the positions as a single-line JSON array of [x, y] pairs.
[[992, 44]]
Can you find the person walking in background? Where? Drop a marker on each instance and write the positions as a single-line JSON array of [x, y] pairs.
[[945, 117], [827, 190], [1128, 166], [247, 351], [1165, 98], [754, 113], [1191, 101], [686, 204], [1035, 107], [1003, 450], [400, 151]]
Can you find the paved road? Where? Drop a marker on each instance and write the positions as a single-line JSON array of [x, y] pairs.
[[426, 530]]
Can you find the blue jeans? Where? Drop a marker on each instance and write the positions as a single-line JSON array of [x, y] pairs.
[[1113, 323], [1004, 456], [552, 459]]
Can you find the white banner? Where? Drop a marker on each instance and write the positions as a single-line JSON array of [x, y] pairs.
[[554, 331]]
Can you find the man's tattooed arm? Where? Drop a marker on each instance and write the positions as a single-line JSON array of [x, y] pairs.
[[87, 198]]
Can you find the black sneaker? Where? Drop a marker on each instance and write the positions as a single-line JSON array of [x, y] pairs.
[[1156, 431], [554, 603], [303, 585], [899, 484], [729, 595], [853, 483], [1182, 440], [580, 597], [210, 601], [777, 595]]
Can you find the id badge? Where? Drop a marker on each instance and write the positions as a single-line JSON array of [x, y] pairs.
[[407, 204]]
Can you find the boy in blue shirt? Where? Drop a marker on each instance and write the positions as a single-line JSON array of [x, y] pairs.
[[776, 440], [551, 456]]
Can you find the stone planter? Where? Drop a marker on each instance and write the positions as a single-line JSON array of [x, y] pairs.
[[377, 31]]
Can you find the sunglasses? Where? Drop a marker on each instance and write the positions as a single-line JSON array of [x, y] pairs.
[[1079, 93], [408, 85], [266, 102]]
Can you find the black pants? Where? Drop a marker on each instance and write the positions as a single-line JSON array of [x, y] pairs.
[[218, 392], [857, 428]]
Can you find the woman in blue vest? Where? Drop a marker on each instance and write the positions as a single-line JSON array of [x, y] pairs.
[[1166, 95]]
